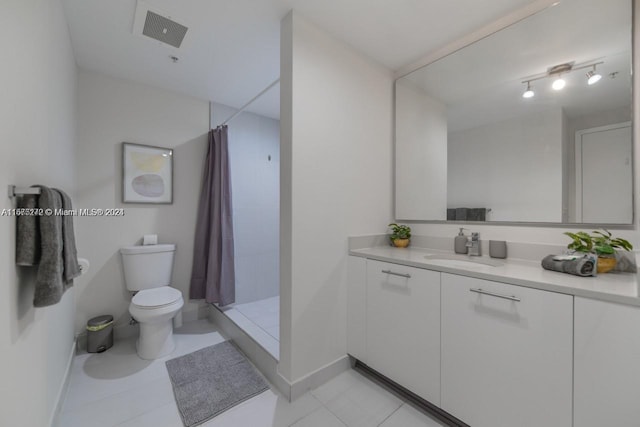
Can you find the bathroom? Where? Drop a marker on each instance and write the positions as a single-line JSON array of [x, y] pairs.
[[68, 106]]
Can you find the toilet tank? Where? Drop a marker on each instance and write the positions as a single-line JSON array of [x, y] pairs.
[[147, 267]]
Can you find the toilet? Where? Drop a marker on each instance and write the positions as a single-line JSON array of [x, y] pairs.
[[147, 273]]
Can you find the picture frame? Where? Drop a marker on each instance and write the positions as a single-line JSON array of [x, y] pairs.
[[147, 174]]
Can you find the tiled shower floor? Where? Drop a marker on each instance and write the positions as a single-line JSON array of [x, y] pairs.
[[260, 320]]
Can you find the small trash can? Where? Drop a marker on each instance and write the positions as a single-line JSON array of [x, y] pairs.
[[99, 334]]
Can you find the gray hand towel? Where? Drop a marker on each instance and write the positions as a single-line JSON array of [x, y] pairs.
[[477, 214], [50, 284], [584, 266], [69, 251], [461, 214], [27, 233]]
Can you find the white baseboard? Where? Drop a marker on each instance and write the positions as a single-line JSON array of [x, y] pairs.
[[320, 376], [62, 392]]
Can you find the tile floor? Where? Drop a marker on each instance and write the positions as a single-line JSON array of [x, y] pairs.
[[116, 388], [260, 320]]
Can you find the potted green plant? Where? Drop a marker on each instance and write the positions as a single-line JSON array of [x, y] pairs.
[[601, 243], [400, 235]]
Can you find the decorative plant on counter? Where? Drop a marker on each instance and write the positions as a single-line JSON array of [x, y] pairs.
[[400, 235], [602, 244]]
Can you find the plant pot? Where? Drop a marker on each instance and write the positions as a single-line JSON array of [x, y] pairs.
[[400, 243], [606, 264]]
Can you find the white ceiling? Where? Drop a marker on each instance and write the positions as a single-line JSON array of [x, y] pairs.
[[231, 50]]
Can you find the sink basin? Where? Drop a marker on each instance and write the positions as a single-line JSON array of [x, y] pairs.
[[464, 261]]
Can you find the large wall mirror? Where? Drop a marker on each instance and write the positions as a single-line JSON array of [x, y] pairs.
[[487, 133]]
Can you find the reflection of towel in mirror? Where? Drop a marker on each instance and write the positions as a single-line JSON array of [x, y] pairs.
[[461, 214], [477, 214], [583, 266], [467, 214]]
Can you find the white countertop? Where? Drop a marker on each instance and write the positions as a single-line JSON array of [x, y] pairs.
[[615, 287]]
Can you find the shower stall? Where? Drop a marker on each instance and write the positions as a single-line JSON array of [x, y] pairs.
[[254, 157]]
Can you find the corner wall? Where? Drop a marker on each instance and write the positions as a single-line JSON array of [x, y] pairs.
[[37, 139], [336, 181], [112, 111]]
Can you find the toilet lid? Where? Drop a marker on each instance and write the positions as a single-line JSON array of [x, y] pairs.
[[157, 297]]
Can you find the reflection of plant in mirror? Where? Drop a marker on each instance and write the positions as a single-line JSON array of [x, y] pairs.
[[603, 244], [399, 231]]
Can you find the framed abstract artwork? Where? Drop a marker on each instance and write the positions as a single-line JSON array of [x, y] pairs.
[[147, 174]]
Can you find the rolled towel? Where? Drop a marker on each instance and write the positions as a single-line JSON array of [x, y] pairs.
[[581, 266]]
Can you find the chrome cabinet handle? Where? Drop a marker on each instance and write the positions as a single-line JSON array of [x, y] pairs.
[[393, 273], [483, 292]]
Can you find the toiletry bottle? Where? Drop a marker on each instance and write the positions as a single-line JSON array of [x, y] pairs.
[[460, 243]]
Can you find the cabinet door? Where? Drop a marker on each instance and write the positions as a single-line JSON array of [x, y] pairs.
[[356, 307], [403, 326], [506, 362], [607, 364]]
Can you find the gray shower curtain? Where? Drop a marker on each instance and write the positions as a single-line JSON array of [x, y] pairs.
[[213, 273]]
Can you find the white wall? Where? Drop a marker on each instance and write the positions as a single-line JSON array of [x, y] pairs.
[[603, 118], [37, 134], [421, 154], [513, 167], [112, 111], [336, 181], [255, 188]]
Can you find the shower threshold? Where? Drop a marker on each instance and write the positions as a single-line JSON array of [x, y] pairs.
[[260, 320]]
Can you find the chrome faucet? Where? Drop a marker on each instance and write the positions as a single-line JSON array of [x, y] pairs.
[[474, 245]]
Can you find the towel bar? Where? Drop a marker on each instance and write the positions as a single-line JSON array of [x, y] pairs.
[[14, 191]]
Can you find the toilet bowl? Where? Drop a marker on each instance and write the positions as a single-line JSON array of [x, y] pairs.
[[154, 309], [147, 273]]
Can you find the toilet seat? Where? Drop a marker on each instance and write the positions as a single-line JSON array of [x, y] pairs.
[[156, 298]]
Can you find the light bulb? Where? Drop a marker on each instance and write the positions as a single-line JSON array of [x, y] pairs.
[[529, 93], [592, 77], [558, 84]]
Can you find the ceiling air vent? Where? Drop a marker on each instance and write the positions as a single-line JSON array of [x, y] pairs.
[[158, 26]]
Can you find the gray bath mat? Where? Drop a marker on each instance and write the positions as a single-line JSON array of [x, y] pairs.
[[207, 382]]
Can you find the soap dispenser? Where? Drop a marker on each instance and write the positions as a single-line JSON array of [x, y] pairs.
[[460, 243]]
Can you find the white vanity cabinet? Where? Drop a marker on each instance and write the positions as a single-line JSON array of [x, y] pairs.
[[403, 326], [607, 364], [506, 354]]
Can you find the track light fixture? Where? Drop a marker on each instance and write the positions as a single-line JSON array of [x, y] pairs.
[[557, 71], [592, 76]]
